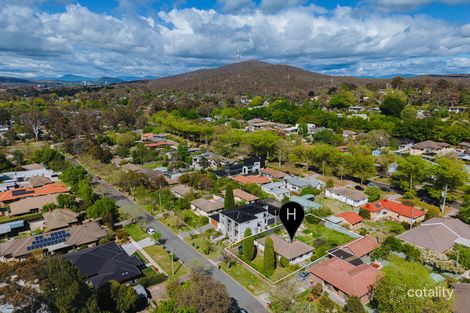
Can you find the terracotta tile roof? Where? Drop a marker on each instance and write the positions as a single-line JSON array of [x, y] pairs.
[[161, 143], [363, 246], [238, 193], [350, 217], [396, 207], [19, 193], [287, 249], [272, 172], [251, 179], [352, 280]]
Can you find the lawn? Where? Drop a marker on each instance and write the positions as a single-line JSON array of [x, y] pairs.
[[383, 229], [163, 258], [247, 279], [199, 242], [329, 237], [153, 165], [279, 272], [334, 205], [135, 231], [175, 223]]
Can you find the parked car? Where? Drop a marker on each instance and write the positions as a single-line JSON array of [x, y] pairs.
[[150, 231], [360, 188], [301, 276]]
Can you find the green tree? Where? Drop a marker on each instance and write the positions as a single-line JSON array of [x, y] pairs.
[[182, 152], [342, 100], [393, 104], [18, 157], [269, 257], [362, 165], [85, 193], [411, 170], [72, 175], [354, 305], [373, 193], [4, 163], [448, 175], [248, 246], [102, 207], [64, 287], [65, 200], [229, 201]]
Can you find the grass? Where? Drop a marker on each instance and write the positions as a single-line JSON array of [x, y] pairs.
[[317, 231], [135, 231], [153, 165], [247, 279], [149, 272], [279, 272], [163, 258], [175, 223], [334, 205], [383, 229], [198, 242]]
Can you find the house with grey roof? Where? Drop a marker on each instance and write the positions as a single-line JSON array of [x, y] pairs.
[[307, 202], [295, 251], [12, 228], [296, 184], [276, 189], [439, 234], [348, 196], [206, 207]]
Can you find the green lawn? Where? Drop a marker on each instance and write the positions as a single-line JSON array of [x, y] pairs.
[[247, 279], [135, 231], [279, 272], [330, 237], [199, 242], [175, 223], [163, 258], [334, 205]]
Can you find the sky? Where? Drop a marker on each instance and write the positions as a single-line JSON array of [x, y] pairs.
[[40, 38]]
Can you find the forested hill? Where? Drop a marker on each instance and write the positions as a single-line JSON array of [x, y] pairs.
[[261, 78]]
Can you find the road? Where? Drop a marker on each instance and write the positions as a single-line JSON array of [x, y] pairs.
[[185, 252]]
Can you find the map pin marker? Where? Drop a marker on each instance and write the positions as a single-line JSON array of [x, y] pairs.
[[291, 215]]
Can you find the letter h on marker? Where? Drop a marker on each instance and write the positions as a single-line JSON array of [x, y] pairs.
[[289, 213]]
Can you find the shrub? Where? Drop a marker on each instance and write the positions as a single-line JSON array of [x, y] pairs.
[[121, 234], [284, 262], [316, 291], [364, 214], [152, 280], [373, 193], [312, 219], [248, 246], [329, 183], [269, 259]]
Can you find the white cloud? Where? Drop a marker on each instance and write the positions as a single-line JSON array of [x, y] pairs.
[[405, 5], [232, 6], [339, 41]]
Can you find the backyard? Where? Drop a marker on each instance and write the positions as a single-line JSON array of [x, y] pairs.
[[135, 231], [163, 258]]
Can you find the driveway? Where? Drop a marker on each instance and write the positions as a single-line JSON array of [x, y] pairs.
[[185, 252]]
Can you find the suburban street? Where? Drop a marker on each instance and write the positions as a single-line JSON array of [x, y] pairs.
[[183, 251]]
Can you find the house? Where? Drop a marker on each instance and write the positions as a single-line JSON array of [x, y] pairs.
[[257, 124], [151, 137], [206, 207], [361, 247], [272, 173], [38, 181], [20, 193], [243, 196], [390, 210], [31, 205], [461, 298], [306, 201], [203, 161], [50, 242], [17, 179], [256, 216], [276, 189], [351, 197], [248, 166], [296, 184], [430, 147], [251, 179], [439, 234], [342, 279], [351, 219], [161, 144], [295, 251], [104, 263], [349, 134], [60, 218], [12, 228], [180, 190]]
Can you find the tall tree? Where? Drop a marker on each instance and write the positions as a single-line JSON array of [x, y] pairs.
[[248, 246], [354, 305], [229, 201], [411, 170], [269, 258], [33, 120], [448, 175]]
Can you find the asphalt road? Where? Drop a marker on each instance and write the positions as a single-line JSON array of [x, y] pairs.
[[185, 252]]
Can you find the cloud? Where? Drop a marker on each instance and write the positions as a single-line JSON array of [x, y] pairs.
[[233, 6], [83, 42], [274, 6], [406, 5]]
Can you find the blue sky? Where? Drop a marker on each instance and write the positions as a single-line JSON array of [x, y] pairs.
[[41, 38]]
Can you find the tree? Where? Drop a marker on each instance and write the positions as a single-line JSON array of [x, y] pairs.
[[229, 201], [65, 200], [447, 175], [392, 104], [34, 120], [85, 193], [103, 206], [464, 212], [248, 246], [18, 157], [269, 259], [73, 175], [373, 193], [282, 297], [116, 297], [182, 152], [64, 287], [354, 305], [342, 100], [4, 163], [362, 165]]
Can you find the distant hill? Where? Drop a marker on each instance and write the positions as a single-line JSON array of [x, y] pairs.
[[14, 80]]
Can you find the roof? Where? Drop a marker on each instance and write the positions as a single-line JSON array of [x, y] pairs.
[[349, 193], [208, 206], [59, 218], [244, 195], [306, 201], [350, 217], [461, 298], [33, 166], [396, 207], [5, 228], [26, 205], [362, 246], [302, 182], [438, 234], [38, 181], [352, 280], [73, 236], [287, 249], [181, 189], [274, 185], [245, 213], [161, 143], [19, 193], [104, 263], [429, 144], [272, 172], [251, 179]]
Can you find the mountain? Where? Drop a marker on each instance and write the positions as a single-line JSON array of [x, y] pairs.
[[14, 80], [250, 77]]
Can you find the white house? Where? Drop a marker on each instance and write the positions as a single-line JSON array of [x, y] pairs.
[[234, 222], [296, 184], [206, 207], [276, 189], [352, 197]]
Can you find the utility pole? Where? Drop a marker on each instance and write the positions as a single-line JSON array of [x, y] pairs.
[[172, 263], [444, 196]]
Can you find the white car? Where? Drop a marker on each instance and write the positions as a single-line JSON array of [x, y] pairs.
[[150, 231]]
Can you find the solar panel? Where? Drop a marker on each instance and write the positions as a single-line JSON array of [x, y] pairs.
[[21, 192]]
